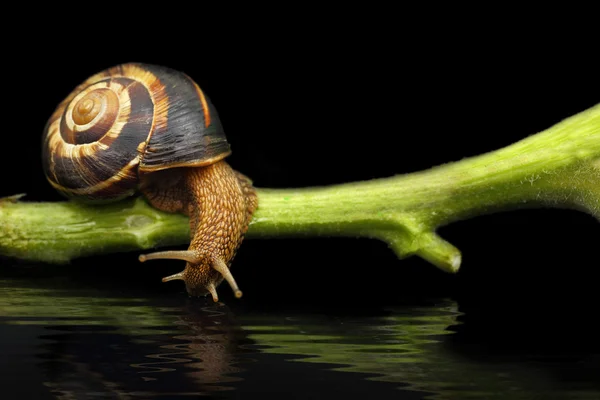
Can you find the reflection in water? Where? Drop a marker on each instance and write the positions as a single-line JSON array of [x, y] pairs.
[[395, 348], [408, 347], [94, 345], [208, 339], [98, 344]]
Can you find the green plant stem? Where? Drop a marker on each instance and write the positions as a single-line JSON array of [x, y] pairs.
[[559, 167]]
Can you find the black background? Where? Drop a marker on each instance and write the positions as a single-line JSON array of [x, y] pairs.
[[308, 99]]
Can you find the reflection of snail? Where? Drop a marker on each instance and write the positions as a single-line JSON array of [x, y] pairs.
[[149, 128], [214, 337]]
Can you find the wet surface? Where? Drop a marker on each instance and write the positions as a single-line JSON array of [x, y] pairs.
[[67, 340]]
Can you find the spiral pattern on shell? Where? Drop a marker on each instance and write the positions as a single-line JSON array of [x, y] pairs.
[[125, 121]]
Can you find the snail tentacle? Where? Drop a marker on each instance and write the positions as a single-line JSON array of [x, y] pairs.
[[174, 277], [213, 291], [222, 268], [185, 255]]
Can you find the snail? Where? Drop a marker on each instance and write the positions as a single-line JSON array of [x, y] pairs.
[[149, 129]]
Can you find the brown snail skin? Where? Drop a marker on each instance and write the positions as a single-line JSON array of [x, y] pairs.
[[150, 129]]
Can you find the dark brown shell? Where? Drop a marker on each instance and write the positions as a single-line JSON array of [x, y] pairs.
[[126, 120]]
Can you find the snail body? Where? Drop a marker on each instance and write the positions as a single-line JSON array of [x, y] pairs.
[[150, 129]]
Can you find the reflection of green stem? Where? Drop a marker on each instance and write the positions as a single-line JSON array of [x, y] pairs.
[[558, 167], [43, 306], [408, 347]]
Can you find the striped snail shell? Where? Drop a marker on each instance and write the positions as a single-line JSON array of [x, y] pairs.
[[123, 122]]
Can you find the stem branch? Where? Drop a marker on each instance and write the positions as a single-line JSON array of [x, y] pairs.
[[559, 167]]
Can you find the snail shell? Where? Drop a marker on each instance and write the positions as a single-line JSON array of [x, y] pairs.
[[123, 122]]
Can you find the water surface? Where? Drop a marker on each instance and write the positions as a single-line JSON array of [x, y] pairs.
[[61, 340]]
